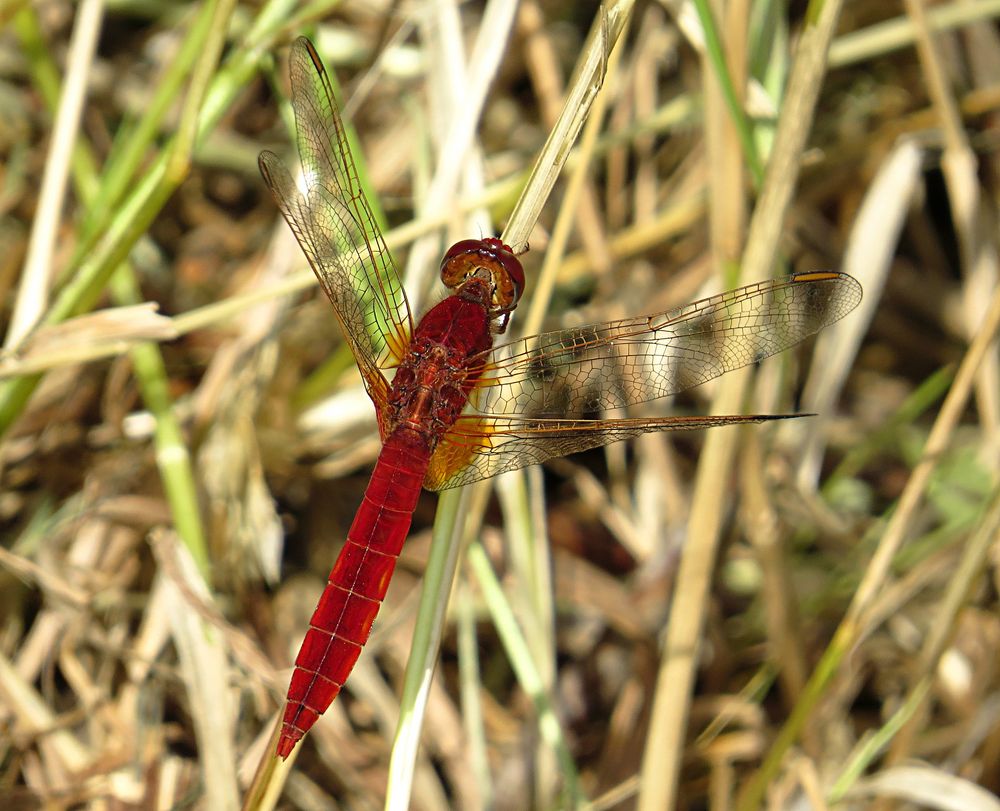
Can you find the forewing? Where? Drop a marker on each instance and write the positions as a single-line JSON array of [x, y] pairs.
[[591, 369], [335, 226], [478, 447]]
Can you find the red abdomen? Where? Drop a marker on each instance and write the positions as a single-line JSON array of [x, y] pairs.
[[343, 619]]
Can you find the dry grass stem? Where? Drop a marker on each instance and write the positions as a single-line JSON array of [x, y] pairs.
[[767, 615]]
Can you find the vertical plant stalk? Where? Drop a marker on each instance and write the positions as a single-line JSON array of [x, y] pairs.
[[33, 292], [583, 88], [977, 246], [675, 680], [851, 627], [453, 505], [587, 80]]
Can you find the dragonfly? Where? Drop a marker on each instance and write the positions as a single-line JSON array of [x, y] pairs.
[[459, 409]]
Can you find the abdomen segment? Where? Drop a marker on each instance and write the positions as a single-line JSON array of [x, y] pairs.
[[343, 619]]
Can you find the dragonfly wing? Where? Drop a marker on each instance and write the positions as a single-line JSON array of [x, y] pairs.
[[590, 369], [478, 447], [335, 226]]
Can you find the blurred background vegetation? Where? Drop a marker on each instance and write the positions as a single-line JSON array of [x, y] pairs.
[[185, 439]]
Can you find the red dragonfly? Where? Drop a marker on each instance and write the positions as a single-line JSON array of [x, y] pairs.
[[458, 411]]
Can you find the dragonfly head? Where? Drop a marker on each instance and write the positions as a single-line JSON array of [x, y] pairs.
[[491, 261]]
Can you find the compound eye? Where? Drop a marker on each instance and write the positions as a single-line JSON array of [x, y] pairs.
[[512, 270], [465, 258], [461, 247], [461, 261]]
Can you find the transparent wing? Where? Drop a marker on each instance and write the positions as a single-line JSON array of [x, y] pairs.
[[335, 226], [529, 400], [480, 447], [590, 369]]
